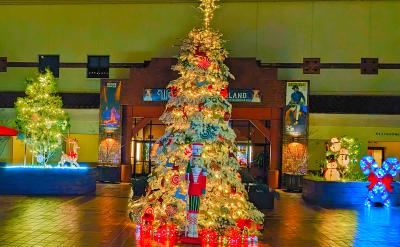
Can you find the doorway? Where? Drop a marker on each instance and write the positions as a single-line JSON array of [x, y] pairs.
[[253, 148]]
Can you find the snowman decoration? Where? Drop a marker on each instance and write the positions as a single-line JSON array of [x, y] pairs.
[[343, 157], [332, 174], [335, 145]]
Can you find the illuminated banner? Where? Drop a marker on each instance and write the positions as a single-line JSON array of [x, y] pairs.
[[296, 111], [295, 134], [110, 122], [235, 95]]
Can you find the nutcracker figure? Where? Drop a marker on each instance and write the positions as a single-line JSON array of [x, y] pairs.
[[196, 178]]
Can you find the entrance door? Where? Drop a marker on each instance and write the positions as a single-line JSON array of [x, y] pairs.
[[141, 159], [253, 149]]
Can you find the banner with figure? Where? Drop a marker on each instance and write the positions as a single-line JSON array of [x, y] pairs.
[[295, 132], [296, 111], [110, 122]]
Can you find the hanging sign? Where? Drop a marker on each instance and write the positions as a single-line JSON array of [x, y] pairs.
[[235, 95], [110, 122], [296, 111]]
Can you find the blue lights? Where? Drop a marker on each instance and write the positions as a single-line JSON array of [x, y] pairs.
[[53, 167], [380, 178]]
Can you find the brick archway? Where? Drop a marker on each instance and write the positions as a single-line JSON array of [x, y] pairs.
[[248, 75]]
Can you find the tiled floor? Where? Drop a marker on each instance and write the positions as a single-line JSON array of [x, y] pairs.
[[102, 220]]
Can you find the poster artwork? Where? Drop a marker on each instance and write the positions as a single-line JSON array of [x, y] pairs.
[[296, 110], [110, 122]]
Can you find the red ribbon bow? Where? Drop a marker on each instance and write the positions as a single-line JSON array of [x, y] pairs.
[[72, 154], [386, 180]]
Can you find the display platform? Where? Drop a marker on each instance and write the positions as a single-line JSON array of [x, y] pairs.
[[341, 194], [34, 180]]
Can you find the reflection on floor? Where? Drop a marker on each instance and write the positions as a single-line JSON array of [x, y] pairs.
[[102, 220]]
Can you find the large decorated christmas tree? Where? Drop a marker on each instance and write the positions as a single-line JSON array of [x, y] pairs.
[[196, 186], [40, 117]]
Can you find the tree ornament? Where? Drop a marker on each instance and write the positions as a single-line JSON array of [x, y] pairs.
[[179, 195], [173, 91], [204, 63], [227, 116], [151, 197], [188, 151], [210, 87], [175, 167], [199, 53], [224, 92], [40, 158], [148, 215], [35, 117], [208, 132], [136, 216], [201, 83], [169, 164], [175, 179], [160, 200], [171, 210], [201, 106]]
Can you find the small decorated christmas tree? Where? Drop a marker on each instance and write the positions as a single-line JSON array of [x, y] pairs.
[[196, 186], [40, 117]]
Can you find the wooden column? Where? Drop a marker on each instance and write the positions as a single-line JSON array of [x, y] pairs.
[[273, 174], [126, 134]]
